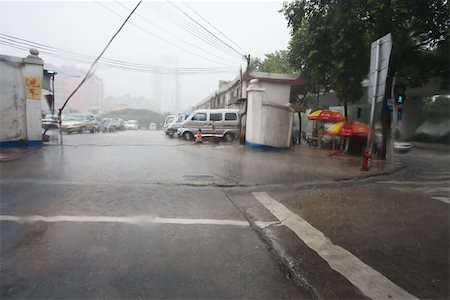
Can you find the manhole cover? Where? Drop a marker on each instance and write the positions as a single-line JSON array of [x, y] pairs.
[[198, 177]]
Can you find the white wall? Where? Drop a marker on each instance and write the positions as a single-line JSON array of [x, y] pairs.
[[20, 117], [269, 121], [12, 100]]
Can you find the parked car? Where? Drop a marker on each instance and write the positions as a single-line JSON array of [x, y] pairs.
[[222, 123], [50, 121], [169, 119], [78, 123], [173, 127], [103, 127], [111, 125], [131, 125]]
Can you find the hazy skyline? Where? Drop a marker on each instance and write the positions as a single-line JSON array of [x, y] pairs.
[[157, 29]]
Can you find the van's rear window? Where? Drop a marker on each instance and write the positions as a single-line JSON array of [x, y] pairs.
[[230, 117]]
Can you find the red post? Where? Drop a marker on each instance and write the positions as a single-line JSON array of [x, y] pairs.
[[366, 159]]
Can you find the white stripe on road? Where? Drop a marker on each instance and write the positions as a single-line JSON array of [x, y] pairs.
[[422, 189], [426, 183], [370, 282], [125, 220], [443, 199]]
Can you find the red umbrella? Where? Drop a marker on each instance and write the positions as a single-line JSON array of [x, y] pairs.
[[326, 115], [349, 129]]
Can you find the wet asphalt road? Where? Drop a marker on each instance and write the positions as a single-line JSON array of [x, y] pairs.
[[159, 188], [155, 248]]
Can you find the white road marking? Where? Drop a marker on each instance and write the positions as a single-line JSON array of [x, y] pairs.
[[370, 282], [422, 189], [125, 220], [426, 183], [443, 199]]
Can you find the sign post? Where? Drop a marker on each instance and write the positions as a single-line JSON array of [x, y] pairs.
[[379, 63]]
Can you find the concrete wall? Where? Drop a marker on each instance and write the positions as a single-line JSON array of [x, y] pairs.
[[20, 117], [269, 120], [12, 100]]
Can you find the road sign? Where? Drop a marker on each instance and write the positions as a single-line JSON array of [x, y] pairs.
[[379, 63], [388, 105]]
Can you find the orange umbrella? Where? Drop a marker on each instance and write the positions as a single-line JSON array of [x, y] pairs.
[[326, 115], [349, 129]]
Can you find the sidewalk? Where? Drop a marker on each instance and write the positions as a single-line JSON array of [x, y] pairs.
[[9, 154]]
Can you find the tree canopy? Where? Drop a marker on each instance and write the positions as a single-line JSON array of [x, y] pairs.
[[275, 62], [331, 40]]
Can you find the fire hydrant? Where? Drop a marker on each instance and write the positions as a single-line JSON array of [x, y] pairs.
[[366, 160]]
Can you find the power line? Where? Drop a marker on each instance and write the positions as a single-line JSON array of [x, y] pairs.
[[188, 27], [188, 6], [226, 44], [167, 31], [110, 62], [158, 37], [88, 74]]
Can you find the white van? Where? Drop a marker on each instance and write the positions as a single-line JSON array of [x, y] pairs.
[[222, 123]]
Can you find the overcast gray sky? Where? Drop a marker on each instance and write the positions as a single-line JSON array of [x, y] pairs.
[[85, 27]]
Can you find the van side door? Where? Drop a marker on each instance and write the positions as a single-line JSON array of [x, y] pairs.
[[199, 121], [216, 120]]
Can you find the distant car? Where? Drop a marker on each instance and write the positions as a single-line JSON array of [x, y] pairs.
[[78, 123], [402, 147], [131, 125], [120, 125], [152, 126], [50, 121], [111, 125], [169, 119], [173, 127]]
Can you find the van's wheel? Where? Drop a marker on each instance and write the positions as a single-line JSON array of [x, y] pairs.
[[229, 137], [188, 136]]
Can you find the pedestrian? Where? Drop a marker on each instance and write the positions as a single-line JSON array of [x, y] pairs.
[[199, 136]]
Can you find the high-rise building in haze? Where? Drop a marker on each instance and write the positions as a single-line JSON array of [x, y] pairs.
[[88, 99], [170, 102]]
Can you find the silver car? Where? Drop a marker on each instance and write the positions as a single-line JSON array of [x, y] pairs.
[[78, 123], [221, 123]]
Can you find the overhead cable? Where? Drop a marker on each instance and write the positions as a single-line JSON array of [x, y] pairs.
[[172, 34], [88, 74], [158, 37], [219, 39], [188, 6], [111, 62], [188, 27]]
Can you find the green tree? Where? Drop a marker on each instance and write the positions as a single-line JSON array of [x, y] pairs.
[[276, 62], [331, 42], [143, 116]]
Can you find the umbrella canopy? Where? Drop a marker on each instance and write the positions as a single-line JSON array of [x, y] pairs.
[[349, 128], [326, 115]]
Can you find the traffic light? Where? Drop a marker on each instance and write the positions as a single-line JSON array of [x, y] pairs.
[[399, 92]]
